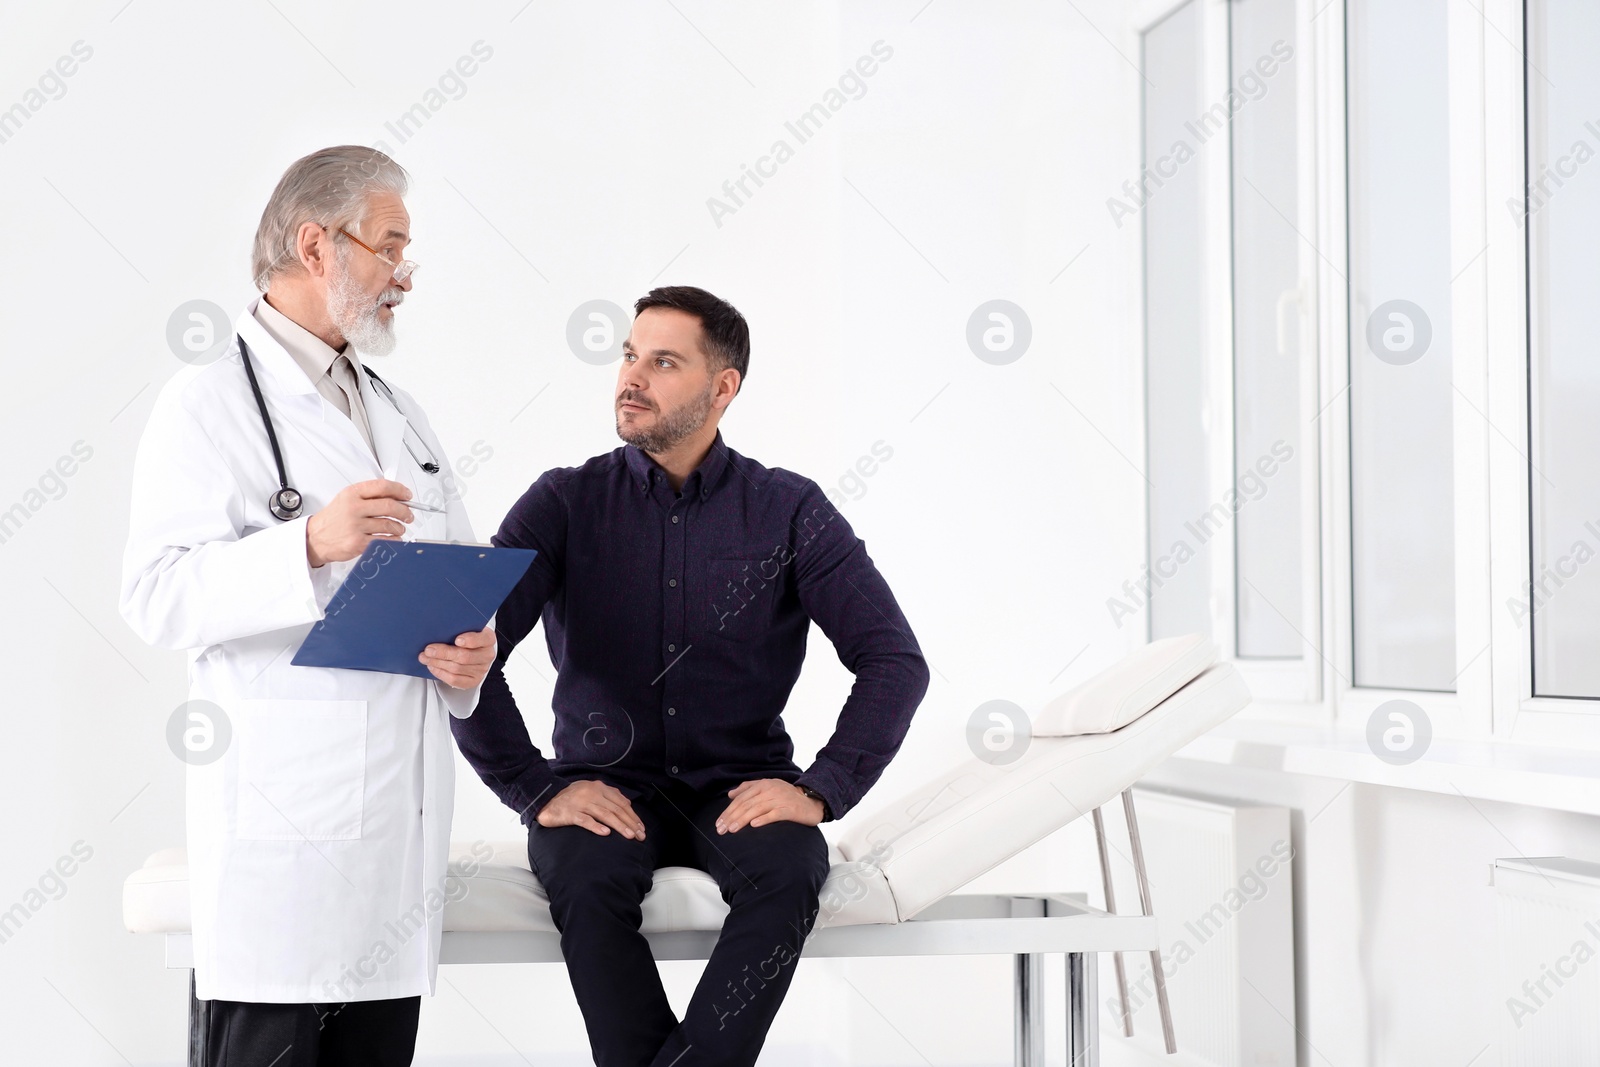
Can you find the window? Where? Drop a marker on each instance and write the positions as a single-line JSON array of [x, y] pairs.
[[1174, 326], [1268, 302], [1562, 218], [1400, 392], [1393, 247]]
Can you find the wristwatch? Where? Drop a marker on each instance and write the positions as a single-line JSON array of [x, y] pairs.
[[813, 794]]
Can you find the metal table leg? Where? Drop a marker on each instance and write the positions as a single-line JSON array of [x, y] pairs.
[[1083, 1016], [1028, 987]]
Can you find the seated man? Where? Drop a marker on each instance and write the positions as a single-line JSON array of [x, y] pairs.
[[676, 580]]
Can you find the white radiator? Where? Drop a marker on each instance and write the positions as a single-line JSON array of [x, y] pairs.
[[1547, 933], [1222, 887]]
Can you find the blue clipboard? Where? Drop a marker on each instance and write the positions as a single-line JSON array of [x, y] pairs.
[[404, 595]]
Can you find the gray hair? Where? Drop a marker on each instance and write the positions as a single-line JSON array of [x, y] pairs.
[[329, 187]]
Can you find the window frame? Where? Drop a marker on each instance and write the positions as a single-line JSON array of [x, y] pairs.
[[1493, 701], [1518, 715], [1293, 681], [1462, 713]]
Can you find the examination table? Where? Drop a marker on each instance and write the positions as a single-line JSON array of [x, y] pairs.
[[897, 866]]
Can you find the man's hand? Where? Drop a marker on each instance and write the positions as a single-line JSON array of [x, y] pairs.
[[359, 513], [596, 806], [464, 663], [765, 800]]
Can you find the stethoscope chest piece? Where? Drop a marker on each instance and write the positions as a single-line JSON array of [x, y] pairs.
[[285, 504]]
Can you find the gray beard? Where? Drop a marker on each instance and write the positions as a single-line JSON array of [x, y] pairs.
[[671, 428], [356, 314]]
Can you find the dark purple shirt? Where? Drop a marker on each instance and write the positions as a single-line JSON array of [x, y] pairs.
[[677, 624]]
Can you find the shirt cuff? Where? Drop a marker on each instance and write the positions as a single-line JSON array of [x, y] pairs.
[[537, 787], [461, 702], [829, 781]]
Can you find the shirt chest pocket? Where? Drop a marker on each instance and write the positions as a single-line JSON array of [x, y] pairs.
[[743, 595]]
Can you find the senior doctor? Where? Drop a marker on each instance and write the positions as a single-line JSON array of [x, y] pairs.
[[318, 840]]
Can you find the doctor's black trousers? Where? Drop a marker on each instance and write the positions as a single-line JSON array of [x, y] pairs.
[[369, 1033]]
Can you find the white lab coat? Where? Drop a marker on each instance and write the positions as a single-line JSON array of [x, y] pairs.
[[318, 842]]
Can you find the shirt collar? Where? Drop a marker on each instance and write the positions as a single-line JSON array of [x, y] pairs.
[[307, 349], [701, 481]]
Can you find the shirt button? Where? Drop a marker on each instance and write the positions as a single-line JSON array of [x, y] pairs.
[[672, 582], [672, 711], [674, 769], [672, 648], [674, 518]]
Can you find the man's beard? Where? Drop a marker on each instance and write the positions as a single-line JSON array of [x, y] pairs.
[[670, 428], [356, 314]]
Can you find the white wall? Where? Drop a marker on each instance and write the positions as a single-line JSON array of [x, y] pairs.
[[576, 165]]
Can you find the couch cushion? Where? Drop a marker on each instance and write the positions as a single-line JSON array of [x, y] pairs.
[[502, 894], [1127, 689]]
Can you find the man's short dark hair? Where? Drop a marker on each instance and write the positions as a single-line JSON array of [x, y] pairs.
[[724, 334]]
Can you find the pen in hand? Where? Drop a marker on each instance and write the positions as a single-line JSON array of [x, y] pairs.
[[413, 504]]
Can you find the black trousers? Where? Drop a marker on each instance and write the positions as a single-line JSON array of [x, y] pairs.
[[367, 1033], [771, 877]]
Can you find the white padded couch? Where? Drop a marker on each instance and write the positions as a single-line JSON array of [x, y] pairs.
[[893, 863]]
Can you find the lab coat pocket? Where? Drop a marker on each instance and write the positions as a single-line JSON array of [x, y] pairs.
[[302, 770], [428, 525], [428, 492]]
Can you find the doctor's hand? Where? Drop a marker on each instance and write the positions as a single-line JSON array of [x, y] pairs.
[[464, 663], [764, 800], [596, 806], [359, 513]]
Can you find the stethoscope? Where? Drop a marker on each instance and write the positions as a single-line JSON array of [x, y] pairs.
[[286, 503]]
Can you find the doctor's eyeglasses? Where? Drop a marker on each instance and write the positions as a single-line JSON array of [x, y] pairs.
[[402, 270]]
